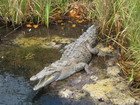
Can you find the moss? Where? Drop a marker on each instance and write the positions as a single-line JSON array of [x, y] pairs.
[[44, 42]]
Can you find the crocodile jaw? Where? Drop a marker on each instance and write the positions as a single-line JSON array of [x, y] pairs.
[[33, 78], [46, 80]]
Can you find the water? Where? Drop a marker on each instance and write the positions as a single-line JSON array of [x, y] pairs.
[[56, 100], [18, 64], [15, 90]]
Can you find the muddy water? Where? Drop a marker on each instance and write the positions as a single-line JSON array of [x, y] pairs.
[[22, 56]]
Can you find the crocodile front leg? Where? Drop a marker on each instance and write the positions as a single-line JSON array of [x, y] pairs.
[[71, 69], [99, 49]]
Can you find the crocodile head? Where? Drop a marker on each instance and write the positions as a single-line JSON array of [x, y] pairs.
[[45, 77]]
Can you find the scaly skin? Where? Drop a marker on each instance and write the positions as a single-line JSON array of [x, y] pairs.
[[76, 57]]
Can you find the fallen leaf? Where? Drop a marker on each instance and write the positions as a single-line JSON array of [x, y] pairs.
[[74, 25], [28, 25], [35, 25]]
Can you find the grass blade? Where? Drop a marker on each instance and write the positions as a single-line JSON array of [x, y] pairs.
[[47, 12]]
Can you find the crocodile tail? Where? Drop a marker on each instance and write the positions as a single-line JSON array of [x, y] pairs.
[[92, 28], [89, 35]]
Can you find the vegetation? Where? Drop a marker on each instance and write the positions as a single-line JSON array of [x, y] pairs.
[[18, 11], [118, 20]]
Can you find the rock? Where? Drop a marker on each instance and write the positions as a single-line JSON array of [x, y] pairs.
[[65, 93], [112, 90], [119, 98], [98, 90], [113, 71], [94, 78], [111, 61], [72, 94]]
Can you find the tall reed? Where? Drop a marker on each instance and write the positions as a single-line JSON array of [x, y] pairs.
[[119, 21], [47, 12], [17, 11], [13, 10]]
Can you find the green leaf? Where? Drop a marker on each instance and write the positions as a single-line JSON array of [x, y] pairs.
[[47, 12]]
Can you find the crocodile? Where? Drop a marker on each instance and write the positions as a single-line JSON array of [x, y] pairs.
[[76, 56]]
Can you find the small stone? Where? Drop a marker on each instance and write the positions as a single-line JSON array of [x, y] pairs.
[[113, 71], [108, 90], [98, 90], [29, 29], [73, 25], [65, 93], [72, 94], [94, 78], [111, 62]]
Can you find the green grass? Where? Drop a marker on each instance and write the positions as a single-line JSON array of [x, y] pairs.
[[134, 38], [134, 32], [119, 21], [17, 11], [47, 12], [13, 10]]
